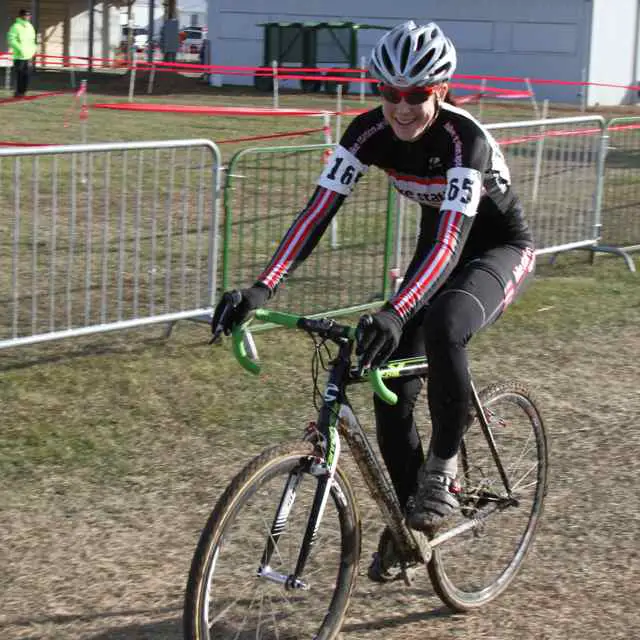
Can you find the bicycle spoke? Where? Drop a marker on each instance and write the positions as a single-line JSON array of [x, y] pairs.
[[228, 607], [532, 469], [276, 548], [525, 450]]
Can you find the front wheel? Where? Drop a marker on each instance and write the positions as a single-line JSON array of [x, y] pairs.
[[475, 567], [233, 593]]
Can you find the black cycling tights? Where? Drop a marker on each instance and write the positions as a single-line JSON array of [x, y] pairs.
[[474, 297]]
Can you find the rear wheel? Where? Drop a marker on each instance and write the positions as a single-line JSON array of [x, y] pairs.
[[227, 597], [475, 567]]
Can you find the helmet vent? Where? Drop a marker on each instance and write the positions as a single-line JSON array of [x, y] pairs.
[[419, 66], [442, 68], [406, 50], [386, 60]]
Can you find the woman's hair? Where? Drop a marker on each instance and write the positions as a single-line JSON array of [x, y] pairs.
[[450, 98]]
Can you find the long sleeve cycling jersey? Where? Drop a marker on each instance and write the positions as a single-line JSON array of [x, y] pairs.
[[455, 171]]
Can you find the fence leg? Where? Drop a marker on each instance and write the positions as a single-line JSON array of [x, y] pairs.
[[363, 75], [132, 80], [152, 77], [483, 88], [536, 111], [84, 121], [168, 329], [276, 88], [616, 251], [326, 128], [338, 112], [396, 270]]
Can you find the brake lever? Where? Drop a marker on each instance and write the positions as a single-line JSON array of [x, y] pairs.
[[234, 298], [365, 321]]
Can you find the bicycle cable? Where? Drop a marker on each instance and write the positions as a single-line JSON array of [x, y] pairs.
[[321, 352]]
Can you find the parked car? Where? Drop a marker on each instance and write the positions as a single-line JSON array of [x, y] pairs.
[[140, 38], [192, 38]]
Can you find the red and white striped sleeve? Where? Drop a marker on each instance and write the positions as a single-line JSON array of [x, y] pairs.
[[462, 195]]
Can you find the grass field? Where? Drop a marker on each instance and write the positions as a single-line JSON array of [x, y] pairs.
[[114, 448]]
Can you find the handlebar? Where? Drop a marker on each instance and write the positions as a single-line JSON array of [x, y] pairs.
[[246, 354]]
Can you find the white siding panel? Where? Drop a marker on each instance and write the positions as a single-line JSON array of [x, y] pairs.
[[544, 37], [476, 35], [502, 37]]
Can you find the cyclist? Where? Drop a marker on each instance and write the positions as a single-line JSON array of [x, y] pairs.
[[473, 255]]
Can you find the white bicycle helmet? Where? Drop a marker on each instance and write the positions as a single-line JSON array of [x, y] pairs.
[[413, 56]]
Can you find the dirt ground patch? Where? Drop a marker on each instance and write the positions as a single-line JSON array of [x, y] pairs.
[[82, 559]]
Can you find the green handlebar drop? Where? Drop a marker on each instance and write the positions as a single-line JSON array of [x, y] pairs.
[[377, 384], [240, 351]]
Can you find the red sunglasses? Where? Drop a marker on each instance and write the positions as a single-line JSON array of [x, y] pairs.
[[414, 96]]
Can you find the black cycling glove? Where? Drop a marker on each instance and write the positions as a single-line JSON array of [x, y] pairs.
[[235, 306], [378, 337]]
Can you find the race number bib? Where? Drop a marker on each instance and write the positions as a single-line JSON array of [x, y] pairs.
[[342, 172], [463, 190]]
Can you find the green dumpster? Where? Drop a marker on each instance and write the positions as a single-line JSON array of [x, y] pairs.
[[311, 45]]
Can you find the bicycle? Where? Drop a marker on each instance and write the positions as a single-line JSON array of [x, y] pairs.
[[293, 579]]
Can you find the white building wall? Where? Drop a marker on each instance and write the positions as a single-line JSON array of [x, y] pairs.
[[106, 29], [537, 39], [614, 50]]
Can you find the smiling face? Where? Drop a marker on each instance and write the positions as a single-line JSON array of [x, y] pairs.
[[408, 119]]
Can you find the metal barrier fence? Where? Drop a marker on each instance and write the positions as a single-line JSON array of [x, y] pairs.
[[266, 188], [106, 236], [121, 235], [621, 195]]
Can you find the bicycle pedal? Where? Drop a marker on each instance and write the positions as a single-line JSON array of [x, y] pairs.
[[409, 573], [422, 541]]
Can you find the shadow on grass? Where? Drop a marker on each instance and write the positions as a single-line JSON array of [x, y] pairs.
[[133, 342], [24, 361], [170, 629], [172, 624], [385, 622]]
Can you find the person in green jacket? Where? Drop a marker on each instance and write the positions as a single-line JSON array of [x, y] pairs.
[[22, 42]]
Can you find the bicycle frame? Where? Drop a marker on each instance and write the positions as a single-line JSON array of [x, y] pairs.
[[336, 418]]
